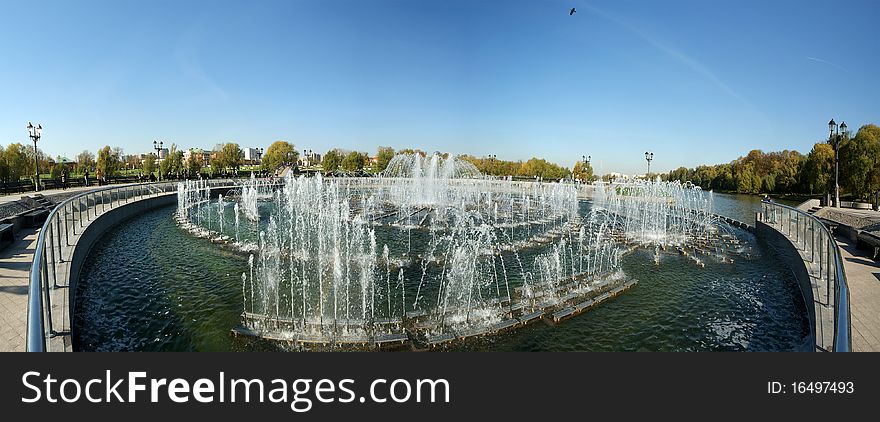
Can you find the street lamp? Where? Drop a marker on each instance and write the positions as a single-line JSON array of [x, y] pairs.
[[648, 157], [35, 132], [158, 147], [835, 133]]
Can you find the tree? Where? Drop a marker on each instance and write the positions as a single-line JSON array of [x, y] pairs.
[[55, 173], [227, 155], [194, 167], [17, 161], [85, 161], [583, 171], [331, 161], [859, 158], [818, 168], [4, 168], [354, 161], [150, 164], [173, 163], [279, 152], [384, 156], [108, 163]]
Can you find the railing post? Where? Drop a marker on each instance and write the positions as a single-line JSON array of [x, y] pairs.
[[58, 239], [51, 235], [45, 272], [829, 266], [820, 258], [812, 241]]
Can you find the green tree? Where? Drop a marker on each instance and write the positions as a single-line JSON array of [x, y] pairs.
[[172, 165], [150, 164], [55, 173], [354, 161], [384, 156], [108, 162], [194, 166], [85, 161], [4, 168], [279, 152], [819, 168], [17, 161], [227, 156], [859, 159], [331, 161]]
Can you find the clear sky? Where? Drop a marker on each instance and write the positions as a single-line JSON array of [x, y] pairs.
[[693, 81]]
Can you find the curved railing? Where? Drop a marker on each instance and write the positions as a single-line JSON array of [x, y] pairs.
[[64, 224], [819, 250]]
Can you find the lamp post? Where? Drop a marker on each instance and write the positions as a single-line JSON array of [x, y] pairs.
[[158, 147], [835, 133], [648, 157], [35, 132]]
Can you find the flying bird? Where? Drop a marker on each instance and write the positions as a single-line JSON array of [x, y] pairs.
[[572, 11]]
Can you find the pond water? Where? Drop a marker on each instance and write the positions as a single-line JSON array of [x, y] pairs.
[[151, 286]]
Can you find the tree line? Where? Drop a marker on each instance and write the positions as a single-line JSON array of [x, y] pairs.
[[790, 172], [16, 162]]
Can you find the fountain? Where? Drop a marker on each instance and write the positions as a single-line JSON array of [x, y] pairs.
[[431, 252]]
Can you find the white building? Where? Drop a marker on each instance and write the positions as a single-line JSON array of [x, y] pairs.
[[252, 155]]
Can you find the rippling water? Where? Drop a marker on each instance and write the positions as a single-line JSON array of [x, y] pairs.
[[150, 286]]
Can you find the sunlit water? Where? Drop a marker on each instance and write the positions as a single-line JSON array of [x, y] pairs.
[[149, 285]]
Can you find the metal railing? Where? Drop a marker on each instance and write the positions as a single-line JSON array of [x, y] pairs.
[[65, 223], [819, 250]]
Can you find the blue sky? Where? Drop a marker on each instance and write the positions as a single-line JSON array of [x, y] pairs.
[[694, 81]]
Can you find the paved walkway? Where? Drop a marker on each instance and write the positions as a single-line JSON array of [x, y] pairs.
[[15, 263], [16, 196], [863, 277]]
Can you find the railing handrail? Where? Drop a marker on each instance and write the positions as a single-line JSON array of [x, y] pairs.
[[842, 333], [36, 333]]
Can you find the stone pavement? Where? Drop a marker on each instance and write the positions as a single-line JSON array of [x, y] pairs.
[[863, 278], [15, 263], [862, 275], [858, 219]]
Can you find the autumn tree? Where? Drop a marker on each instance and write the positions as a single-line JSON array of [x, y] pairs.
[[278, 153], [583, 171]]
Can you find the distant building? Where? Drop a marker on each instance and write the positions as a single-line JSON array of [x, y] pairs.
[[163, 153], [252, 156], [197, 154], [309, 160], [70, 164]]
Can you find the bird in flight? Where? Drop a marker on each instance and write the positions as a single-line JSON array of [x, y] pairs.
[[572, 11]]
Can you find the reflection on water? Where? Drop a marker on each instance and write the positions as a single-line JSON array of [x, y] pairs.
[[151, 286]]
